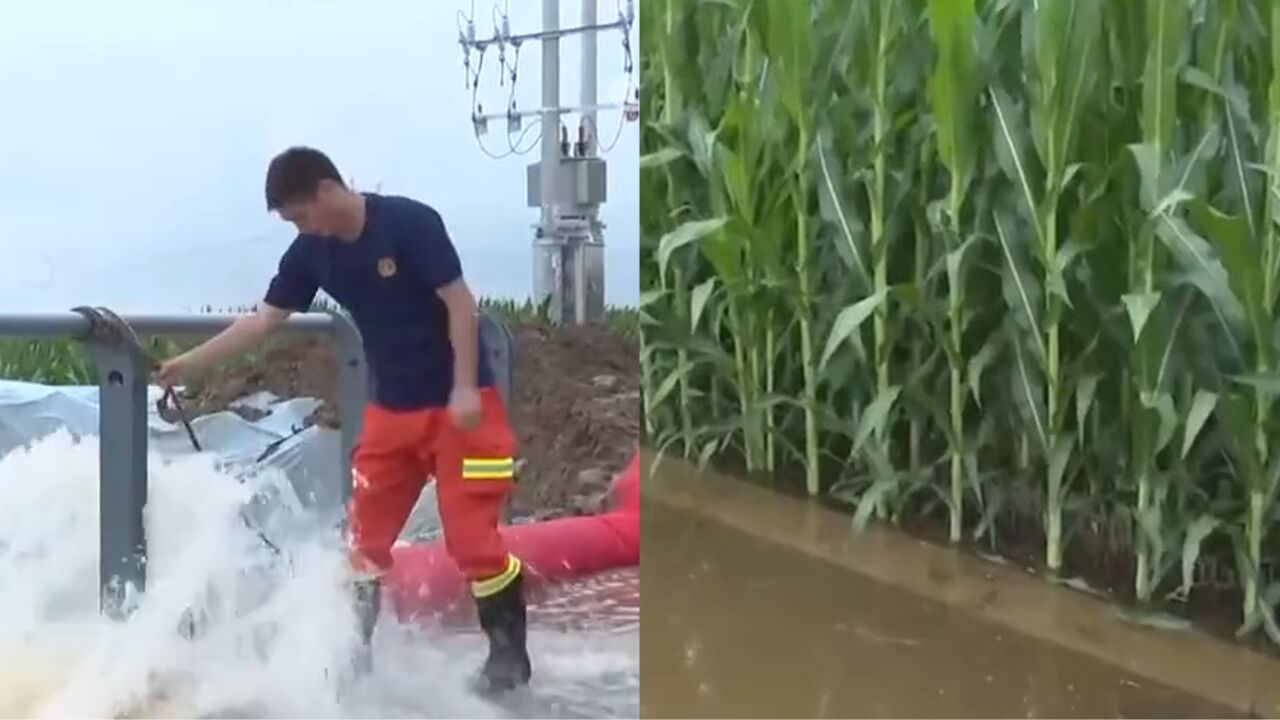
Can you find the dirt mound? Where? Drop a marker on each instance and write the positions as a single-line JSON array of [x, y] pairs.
[[576, 412], [575, 407]]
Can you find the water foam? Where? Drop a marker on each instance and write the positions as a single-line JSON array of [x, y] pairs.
[[277, 631]]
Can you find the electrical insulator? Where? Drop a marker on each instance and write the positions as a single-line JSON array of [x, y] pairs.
[[631, 110]]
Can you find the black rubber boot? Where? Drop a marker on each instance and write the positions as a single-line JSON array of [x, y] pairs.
[[367, 598], [502, 617]]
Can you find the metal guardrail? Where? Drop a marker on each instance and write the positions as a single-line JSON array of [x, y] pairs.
[[122, 423]]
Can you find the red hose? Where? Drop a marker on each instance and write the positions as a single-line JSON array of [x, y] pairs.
[[424, 582]]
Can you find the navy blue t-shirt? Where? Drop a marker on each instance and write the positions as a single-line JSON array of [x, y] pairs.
[[387, 280]]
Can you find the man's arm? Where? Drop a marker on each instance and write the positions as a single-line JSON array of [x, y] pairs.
[[243, 334], [463, 331], [292, 290]]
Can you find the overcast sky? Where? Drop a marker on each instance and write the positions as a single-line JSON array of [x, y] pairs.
[[134, 137]]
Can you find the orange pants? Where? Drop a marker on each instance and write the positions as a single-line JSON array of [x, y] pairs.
[[395, 454]]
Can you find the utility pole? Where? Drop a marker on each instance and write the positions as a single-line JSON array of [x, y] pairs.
[[568, 183]]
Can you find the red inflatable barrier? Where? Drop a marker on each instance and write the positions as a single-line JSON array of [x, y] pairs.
[[424, 582]]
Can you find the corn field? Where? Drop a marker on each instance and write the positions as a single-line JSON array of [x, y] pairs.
[[1007, 263]]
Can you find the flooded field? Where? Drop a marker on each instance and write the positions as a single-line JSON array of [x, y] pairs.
[[771, 607]]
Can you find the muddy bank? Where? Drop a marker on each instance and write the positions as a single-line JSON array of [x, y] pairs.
[[575, 407]]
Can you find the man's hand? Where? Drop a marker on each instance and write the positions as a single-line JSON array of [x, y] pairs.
[[172, 371], [464, 407]]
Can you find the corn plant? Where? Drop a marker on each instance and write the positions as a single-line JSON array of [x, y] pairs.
[[953, 97]]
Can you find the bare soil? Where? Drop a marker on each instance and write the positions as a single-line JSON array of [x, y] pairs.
[[575, 408]]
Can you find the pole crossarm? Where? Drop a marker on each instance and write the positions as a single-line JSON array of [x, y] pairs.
[[516, 40]]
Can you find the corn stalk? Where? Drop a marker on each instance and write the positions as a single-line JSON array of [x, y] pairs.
[[954, 99], [1067, 41]]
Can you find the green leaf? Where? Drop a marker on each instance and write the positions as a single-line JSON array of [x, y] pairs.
[[650, 297], [955, 261], [659, 158], [701, 294], [1231, 234], [1086, 388], [1265, 382], [1166, 31], [688, 232], [1201, 408], [668, 384], [980, 362], [1234, 410], [789, 45], [829, 190], [1139, 306], [1058, 459], [954, 88], [1056, 281], [1206, 273], [1162, 403], [1026, 389], [1011, 153], [1197, 531], [875, 416], [886, 481], [848, 322], [1067, 39], [1021, 293]]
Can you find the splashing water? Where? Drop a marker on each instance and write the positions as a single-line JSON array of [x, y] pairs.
[[276, 633]]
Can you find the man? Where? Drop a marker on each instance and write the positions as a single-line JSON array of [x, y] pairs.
[[433, 410]]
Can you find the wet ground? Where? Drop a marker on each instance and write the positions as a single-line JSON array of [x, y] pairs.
[[772, 608], [584, 640]]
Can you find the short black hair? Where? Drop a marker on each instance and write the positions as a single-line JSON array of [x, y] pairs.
[[295, 175]]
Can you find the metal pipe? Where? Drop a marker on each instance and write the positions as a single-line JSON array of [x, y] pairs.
[[550, 165], [39, 326], [580, 281], [590, 48]]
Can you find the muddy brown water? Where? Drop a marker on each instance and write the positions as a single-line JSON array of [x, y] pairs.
[[772, 607]]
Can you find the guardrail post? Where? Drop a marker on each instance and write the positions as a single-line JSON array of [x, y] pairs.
[[122, 497], [501, 347], [352, 393]]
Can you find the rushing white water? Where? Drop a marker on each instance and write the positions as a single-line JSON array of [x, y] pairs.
[[278, 632]]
